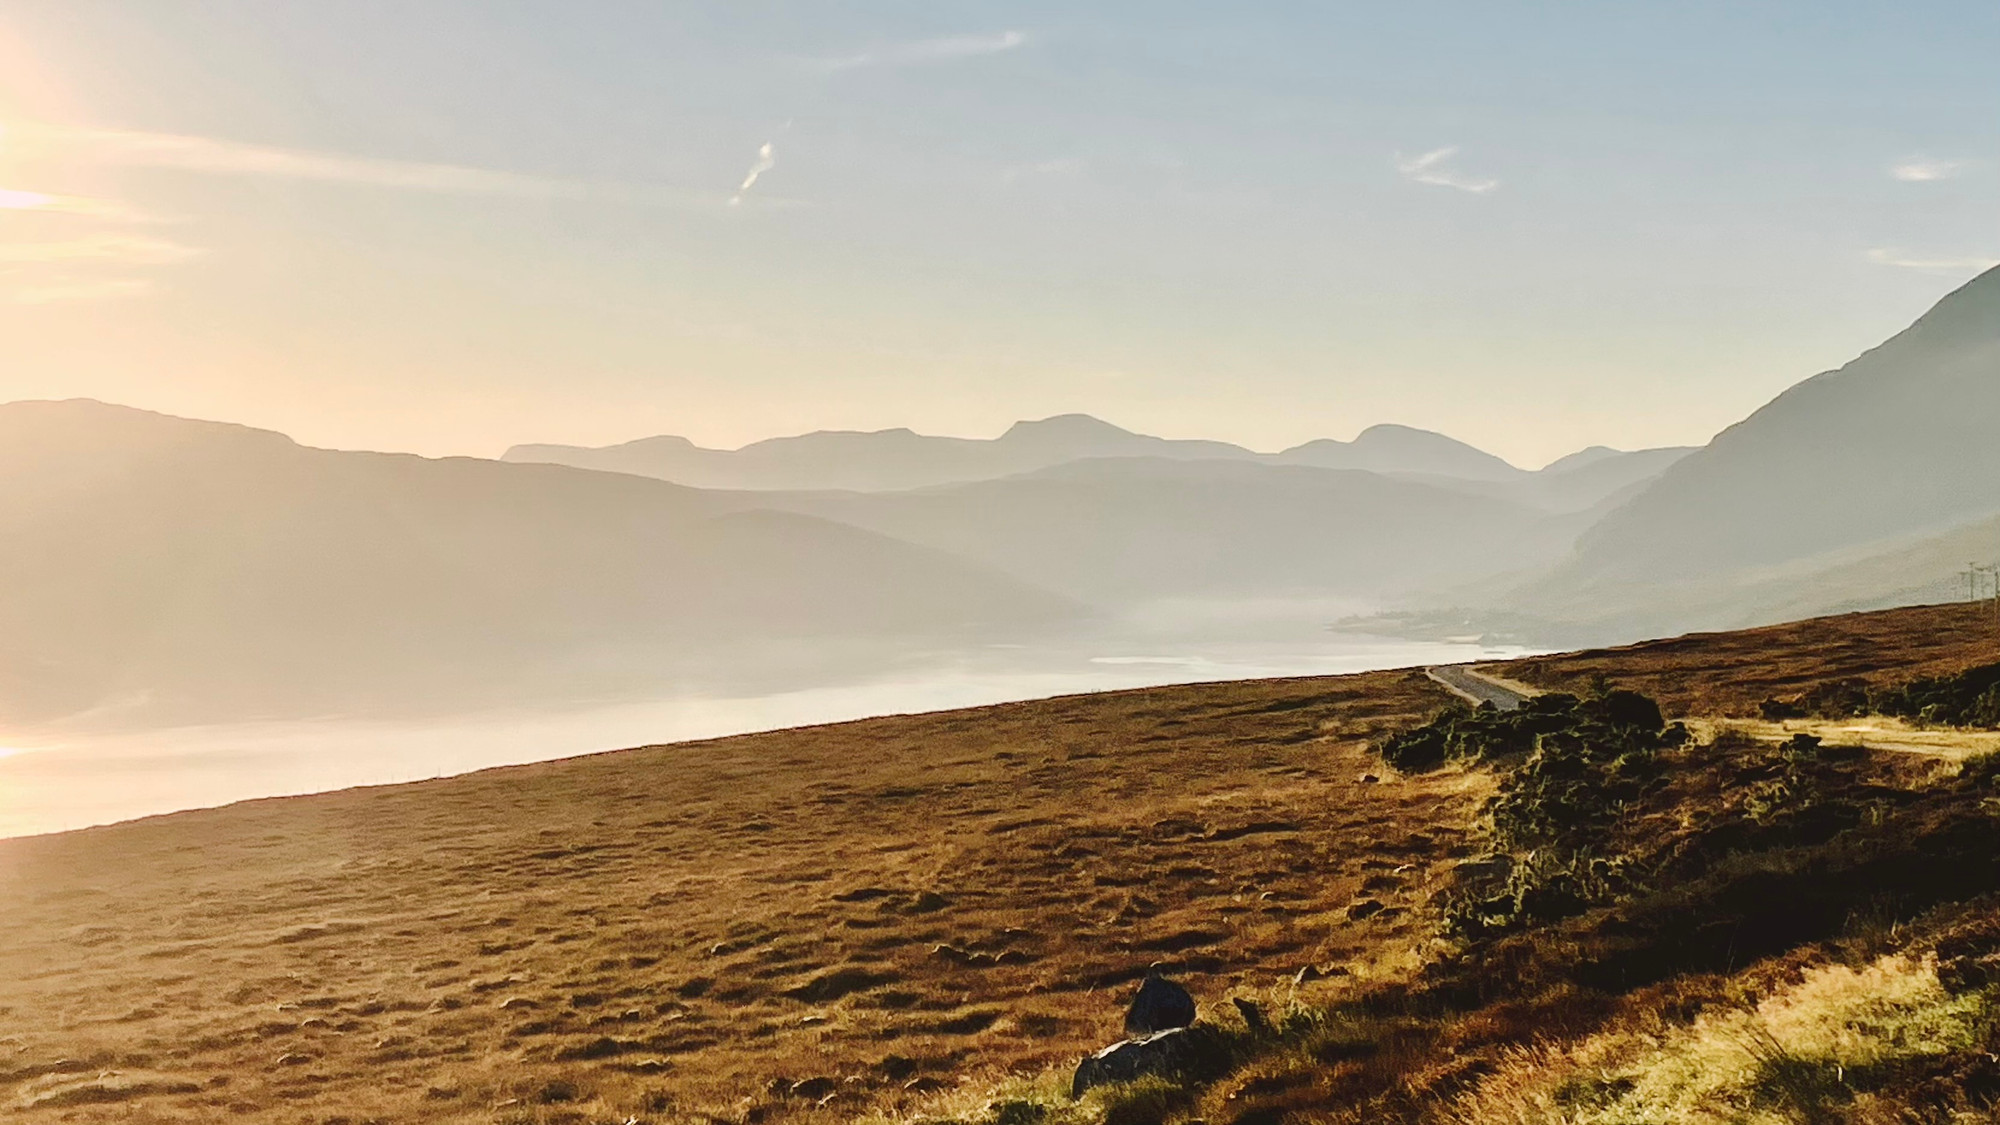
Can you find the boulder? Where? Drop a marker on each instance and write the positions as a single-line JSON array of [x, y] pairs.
[[1163, 1052], [1160, 1005]]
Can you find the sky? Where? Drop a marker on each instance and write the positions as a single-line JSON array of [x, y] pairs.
[[451, 226]]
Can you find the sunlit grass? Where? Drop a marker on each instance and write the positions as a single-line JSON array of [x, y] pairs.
[[1788, 1059]]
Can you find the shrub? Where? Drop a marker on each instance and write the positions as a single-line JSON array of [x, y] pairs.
[[1586, 762], [1485, 733], [1966, 699]]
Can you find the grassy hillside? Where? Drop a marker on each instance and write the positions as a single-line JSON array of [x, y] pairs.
[[928, 916], [907, 900]]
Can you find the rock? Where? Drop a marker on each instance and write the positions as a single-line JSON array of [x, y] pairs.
[[1160, 1005], [1163, 1052]]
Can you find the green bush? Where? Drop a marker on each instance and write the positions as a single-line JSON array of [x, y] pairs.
[[1578, 763], [1966, 699], [1485, 733]]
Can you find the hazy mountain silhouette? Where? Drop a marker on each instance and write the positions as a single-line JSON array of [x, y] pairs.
[[1900, 440], [1858, 488], [1125, 530], [880, 460], [1585, 457], [1401, 449], [196, 569], [896, 460], [1589, 478]]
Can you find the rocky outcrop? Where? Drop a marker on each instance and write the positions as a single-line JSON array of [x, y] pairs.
[[1162, 1039], [1168, 1052]]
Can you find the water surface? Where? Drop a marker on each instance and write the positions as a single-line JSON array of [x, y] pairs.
[[53, 781]]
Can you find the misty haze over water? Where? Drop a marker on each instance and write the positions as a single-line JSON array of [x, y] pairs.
[[58, 779]]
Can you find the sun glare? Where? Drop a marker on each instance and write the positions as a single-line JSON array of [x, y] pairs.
[[12, 200]]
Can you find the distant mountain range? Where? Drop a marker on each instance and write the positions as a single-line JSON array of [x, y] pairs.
[[896, 460], [191, 571], [1127, 530]]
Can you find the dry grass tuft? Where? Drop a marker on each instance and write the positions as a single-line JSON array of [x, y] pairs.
[[1795, 1056]]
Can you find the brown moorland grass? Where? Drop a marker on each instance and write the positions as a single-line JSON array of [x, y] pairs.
[[825, 922], [1730, 673], [862, 912]]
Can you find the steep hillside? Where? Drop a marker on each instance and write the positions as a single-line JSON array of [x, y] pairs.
[[1898, 441], [187, 570], [1116, 531]]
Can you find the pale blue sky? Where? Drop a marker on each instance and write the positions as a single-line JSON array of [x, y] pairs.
[[455, 224]]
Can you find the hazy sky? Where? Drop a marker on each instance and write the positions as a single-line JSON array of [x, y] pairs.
[[450, 225]]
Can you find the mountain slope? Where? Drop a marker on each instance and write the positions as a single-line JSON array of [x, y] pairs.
[[1898, 441], [198, 570], [1578, 481]]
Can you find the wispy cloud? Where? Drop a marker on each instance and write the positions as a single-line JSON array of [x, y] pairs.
[[119, 249], [1923, 171], [1434, 167], [215, 156], [930, 50], [766, 160], [66, 248], [1901, 260], [13, 199]]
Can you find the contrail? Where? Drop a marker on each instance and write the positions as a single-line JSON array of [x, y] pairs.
[[765, 162]]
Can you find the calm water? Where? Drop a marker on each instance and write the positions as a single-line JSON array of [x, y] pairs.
[[55, 782]]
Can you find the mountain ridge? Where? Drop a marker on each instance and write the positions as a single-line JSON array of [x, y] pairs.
[[900, 459]]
